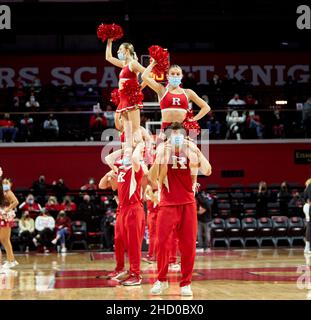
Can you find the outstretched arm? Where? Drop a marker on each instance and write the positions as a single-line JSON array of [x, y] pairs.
[[112, 157], [110, 58], [205, 108], [137, 156]]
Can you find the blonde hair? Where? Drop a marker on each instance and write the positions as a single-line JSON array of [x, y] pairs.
[[174, 66], [128, 46], [308, 182]]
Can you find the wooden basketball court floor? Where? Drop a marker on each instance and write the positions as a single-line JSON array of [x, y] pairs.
[[219, 274]]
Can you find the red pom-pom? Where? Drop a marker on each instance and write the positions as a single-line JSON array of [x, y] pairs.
[[191, 125], [132, 90], [109, 31], [115, 96], [161, 56]]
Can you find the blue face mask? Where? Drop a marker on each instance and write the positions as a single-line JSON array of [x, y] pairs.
[[174, 81], [121, 56], [6, 187], [177, 140]]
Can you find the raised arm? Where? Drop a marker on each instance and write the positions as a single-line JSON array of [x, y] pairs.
[[112, 157], [137, 156], [108, 181], [155, 86], [110, 58], [205, 108]]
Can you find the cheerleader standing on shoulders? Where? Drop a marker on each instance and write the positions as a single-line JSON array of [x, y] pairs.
[[8, 202], [129, 93]]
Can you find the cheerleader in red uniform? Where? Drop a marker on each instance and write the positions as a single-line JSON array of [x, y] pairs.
[[174, 100], [177, 207], [8, 202], [129, 93]]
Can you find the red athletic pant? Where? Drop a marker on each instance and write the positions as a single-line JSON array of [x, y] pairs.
[[119, 248], [173, 240], [184, 218], [132, 221], [152, 223]]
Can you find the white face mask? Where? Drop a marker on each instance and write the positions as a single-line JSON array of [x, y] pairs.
[[177, 140]]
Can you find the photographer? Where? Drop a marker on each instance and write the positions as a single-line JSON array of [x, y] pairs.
[[307, 212]]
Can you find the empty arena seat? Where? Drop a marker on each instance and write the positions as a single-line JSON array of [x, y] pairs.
[[233, 230], [218, 231], [249, 209], [296, 230], [224, 210], [280, 227], [273, 209], [249, 230], [265, 231], [79, 233]]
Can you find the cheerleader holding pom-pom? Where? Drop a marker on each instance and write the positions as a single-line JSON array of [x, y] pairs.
[[129, 96]]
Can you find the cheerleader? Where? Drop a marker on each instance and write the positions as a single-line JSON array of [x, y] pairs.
[[8, 202], [174, 100], [129, 106]]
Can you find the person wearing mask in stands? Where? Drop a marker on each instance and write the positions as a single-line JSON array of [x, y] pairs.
[[63, 230], [44, 225], [26, 230], [39, 189], [68, 205], [7, 126], [31, 206]]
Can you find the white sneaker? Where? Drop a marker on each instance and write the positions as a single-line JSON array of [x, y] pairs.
[[186, 291], [63, 250], [54, 241], [174, 267], [159, 287], [307, 247], [35, 241], [9, 265], [27, 250]]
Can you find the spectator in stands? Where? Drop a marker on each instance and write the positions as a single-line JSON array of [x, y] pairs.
[[7, 126], [44, 225], [296, 200], [63, 230], [306, 117], [107, 227], [60, 189], [250, 101], [31, 206], [68, 206], [52, 204], [109, 115], [236, 101], [32, 104], [213, 125], [26, 128], [90, 186], [51, 128], [98, 123], [87, 208], [277, 124], [253, 122], [39, 188], [283, 198], [262, 198], [215, 84], [204, 219], [234, 123], [26, 230]]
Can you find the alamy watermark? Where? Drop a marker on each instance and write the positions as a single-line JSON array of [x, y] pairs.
[[304, 280], [304, 19], [5, 17]]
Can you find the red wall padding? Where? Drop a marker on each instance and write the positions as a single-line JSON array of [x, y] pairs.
[[270, 162]]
